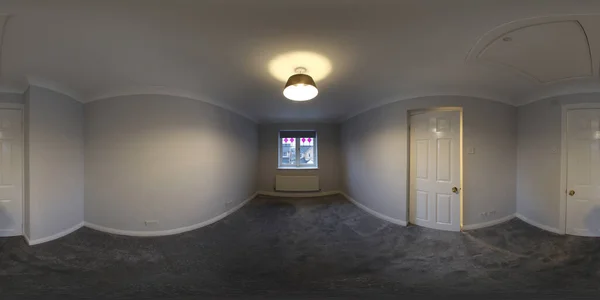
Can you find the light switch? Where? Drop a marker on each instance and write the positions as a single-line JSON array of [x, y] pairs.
[[471, 150]]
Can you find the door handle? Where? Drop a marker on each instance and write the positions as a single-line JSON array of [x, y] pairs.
[[455, 190], [571, 192]]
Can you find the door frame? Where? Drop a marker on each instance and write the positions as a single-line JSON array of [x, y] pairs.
[[411, 112], [20, 107], [562, 222]]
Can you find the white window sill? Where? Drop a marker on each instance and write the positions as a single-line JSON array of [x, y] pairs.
[[301, 168]]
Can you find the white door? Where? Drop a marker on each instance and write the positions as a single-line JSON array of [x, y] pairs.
[[583, 172], [435, 170], [11, 173]]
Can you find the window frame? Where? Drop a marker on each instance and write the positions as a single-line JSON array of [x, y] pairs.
[[296, 134]]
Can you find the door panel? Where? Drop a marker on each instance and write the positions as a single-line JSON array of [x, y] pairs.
[[422, 206], [435, 169], [583, 172], [444, 159], [422, 158], [11, 173], [444, 209]]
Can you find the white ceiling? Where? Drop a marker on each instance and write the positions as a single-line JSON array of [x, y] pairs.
[[220, 51]]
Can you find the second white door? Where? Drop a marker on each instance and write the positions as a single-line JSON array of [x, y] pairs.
[[435, 151], [11, 173], [583, 172]]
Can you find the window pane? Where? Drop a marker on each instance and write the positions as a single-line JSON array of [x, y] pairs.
[[307, 154], [288, 151]]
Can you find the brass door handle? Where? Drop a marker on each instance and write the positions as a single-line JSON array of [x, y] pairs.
[[571, 192], [455, 190]]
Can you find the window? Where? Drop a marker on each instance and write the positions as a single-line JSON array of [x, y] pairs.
[[297, 149]]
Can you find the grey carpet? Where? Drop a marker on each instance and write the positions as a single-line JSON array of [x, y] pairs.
[[319, 248]]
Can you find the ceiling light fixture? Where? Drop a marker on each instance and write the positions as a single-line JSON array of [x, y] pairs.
[[300, 87]]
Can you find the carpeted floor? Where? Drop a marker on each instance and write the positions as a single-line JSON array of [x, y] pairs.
[[318, 248]]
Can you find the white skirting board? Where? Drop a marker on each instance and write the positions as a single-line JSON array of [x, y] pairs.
[[488, 223], [538, 225], [31, 242], [298, 194], [170, 231], [374, 213]]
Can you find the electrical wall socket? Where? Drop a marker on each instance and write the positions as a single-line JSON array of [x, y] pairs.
[[487, 214], [228, 204], [151, 222]]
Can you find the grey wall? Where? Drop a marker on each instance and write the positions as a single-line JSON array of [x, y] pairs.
[[54, 172], [375, 156], [539, 155], [328, 147], [173, 160]]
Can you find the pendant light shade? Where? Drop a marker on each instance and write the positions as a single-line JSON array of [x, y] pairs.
[[300, 87]]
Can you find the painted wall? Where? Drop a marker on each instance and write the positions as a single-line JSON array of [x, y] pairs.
[[328, 147], [173, 160], [54, 172], [375, 157], [539, 158]]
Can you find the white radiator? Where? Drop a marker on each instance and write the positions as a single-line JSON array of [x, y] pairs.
[[296, 183]]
